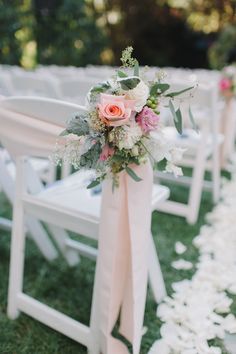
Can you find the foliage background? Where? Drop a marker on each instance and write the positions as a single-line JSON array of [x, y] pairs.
[[81, 32]]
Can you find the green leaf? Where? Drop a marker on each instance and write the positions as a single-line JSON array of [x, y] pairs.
[[93, 184], [192, 120], [136, 68], [177, 117], [78, 125], [129, 83], [64, 133], [179, 121], [99, 88], [159, 87], [117, 158], [121, 74], [132, 174], [177, 93]]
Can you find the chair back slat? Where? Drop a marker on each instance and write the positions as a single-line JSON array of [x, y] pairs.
[[45, 109], [30, 126]]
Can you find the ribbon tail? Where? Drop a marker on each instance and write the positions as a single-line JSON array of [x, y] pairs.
[[112, 263], [139, 196]]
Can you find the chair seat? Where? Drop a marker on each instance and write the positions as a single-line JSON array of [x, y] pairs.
[[190, 139], [71, 194]]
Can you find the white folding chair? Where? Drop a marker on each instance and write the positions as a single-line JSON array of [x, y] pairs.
[[65, 204], [201, 151]]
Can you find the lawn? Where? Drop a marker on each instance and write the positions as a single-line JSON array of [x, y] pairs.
[[70, 289]]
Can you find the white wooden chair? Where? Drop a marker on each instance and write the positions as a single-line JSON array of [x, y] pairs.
[[202, 151], [66, 204]]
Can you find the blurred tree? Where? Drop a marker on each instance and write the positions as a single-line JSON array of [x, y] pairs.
[[222, 52], [211, 16], [81, 32], [10, 50], [157, 31], [66, 33]]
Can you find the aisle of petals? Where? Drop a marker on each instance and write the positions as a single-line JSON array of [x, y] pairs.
[[199, 309]]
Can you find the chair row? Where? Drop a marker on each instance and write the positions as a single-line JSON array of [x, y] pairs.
[[206, 151]]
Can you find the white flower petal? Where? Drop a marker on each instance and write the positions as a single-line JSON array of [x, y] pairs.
[[182, 264], [180, 248]]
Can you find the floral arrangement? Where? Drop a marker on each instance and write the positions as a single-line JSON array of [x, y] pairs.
[[228, 82], [122, 126]]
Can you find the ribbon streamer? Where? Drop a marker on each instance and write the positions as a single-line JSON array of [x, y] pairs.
[[122, 270]]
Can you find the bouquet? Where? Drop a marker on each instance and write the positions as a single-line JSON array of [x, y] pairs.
[[122, 126], [228, 82]]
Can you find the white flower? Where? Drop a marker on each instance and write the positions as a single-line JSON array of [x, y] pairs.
[[135, 150], [172, 168], [158, 146], [181, 264], [132, 135], [180, 248], [126, 136], [140, 94], [177, 154]]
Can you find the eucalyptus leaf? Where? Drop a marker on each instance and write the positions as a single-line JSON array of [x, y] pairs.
[[129, 83], [159, 87], [136, 68], [100, 88], [132, 174], [121, 74], [177, 93], [93, 184], [177, 117], [179, 122]]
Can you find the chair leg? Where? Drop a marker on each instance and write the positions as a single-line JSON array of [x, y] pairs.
[[17, 252], [61, 237], [94, 345], [196, 187], [41, 238], [216, 174], [156, 280]]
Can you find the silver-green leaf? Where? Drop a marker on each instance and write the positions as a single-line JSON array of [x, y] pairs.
[[132, 174], [177, 117], [177, 93], [129, 83]]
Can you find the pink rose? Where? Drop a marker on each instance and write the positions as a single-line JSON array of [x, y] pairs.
[[225, 84], [147, 119], [107, 152], [115, 110]]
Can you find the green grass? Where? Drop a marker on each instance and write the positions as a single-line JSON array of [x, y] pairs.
[[70, 289]]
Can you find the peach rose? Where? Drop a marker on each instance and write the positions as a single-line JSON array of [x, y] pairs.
[[115, 110]]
